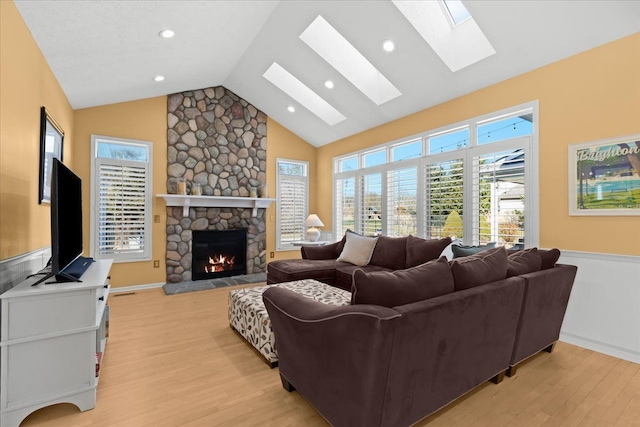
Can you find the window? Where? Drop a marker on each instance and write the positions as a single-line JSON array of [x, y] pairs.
[[121, 199], [402, 202], [345, 205], [444, 187], [466, 185], [293, 202]]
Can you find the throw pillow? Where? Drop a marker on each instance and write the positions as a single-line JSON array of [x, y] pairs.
[[484, 267], [420, 250], [394, 288], [549, 258], [390, 252], [461, 250], [357, 248], [523, 262]]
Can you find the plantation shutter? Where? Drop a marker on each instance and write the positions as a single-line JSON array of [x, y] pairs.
[[293, 202], [371, 204], [345, 203], [498, 197], [444, 199], [121, 208], [293, 208], [402, 205]]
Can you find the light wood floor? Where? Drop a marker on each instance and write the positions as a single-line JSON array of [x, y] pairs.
[[174, 361]]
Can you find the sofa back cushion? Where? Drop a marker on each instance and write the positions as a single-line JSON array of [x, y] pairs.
[[484, 267], [357, 248], [420, 250], [390, 252], [549, 258], [523, 262], [462, 250], [400, 287]]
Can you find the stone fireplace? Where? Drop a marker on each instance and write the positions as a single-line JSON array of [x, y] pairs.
[[218, 140]]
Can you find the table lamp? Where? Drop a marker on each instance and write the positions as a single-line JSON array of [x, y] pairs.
[[312, 221]]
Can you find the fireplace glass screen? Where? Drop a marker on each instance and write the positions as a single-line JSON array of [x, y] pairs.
[[218, 253]]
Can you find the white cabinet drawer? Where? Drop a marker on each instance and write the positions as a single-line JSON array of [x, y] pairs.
[[27, 317]]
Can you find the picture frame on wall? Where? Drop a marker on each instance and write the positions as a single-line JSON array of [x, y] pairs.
[[51, 140], [604, 177]]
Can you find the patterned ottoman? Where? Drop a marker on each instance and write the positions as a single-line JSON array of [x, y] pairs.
[[249, 317]]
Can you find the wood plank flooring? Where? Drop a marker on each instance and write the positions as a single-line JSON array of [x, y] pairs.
[[174, 361]]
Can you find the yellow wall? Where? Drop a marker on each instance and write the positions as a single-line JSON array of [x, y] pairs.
[[281, 143], [26, 84], [590, 96], [145, 120]]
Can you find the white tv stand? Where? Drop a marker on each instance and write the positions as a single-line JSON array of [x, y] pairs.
[[50, 337]]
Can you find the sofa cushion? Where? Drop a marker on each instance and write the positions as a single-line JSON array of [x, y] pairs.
[[549, 258], [420, 250], [461, 250], [523, 262], [357, 248], [344, 273], [288, 270], [390, 252], [484, 267], [400, 287]]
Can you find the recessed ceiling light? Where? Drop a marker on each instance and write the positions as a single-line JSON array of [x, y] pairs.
[[291, 109], [167, 34], [158, 78], [389, 45], [328, 84]]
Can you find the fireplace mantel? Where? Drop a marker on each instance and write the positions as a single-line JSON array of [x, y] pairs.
[[186, 202]]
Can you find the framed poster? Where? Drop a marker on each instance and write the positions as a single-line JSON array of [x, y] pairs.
[[51, 139], [604, 177]]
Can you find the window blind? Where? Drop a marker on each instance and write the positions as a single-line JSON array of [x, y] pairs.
[[402, 205], [121, 208], [444, 201], [499, 202], [292, 208]]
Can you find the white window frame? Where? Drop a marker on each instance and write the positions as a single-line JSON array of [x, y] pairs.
[[532, 227], [287, 246], [146, 255]]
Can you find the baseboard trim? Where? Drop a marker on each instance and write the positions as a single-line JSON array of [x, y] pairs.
[[133, 288], [600, 347]]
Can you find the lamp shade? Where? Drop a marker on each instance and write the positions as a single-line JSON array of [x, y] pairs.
[[313, 221]]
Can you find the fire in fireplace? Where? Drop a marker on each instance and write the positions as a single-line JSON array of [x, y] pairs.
[[218, 253]]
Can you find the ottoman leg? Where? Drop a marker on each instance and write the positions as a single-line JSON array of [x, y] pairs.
[[286, 384]]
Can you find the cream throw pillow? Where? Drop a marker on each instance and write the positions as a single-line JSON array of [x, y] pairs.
[[358, 249]]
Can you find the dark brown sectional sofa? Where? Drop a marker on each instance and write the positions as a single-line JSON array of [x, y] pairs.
[[377, 365], [320, 262]]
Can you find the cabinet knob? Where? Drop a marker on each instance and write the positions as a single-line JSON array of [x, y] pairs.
[[105, 286], [101, 299]]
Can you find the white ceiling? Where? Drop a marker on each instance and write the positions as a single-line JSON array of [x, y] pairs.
[[104, 52]]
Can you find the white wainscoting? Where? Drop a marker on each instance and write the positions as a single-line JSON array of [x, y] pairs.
[[15, 269], [604, 309]]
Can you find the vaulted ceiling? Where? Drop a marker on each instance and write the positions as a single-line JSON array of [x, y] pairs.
[[104, 52]]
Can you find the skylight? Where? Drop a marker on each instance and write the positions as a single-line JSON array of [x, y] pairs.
[[297, 90], [458, 46], [457, 11], [327, 42]]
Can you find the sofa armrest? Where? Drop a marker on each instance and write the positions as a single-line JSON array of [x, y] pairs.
[[545, 303], [321, 252], [336, 357]]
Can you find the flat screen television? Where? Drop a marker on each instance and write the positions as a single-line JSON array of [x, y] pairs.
[[67, 263]]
